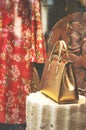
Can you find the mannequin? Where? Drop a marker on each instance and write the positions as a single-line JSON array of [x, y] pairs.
[[21, 44]]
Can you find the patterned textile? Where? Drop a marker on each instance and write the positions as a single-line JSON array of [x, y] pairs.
[[21, 43]]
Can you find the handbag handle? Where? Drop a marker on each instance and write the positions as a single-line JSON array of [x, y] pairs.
[[62, 45]]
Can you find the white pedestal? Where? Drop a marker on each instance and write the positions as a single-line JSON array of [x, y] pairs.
[[42, 113]]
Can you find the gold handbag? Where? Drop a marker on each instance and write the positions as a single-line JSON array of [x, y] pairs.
[[58, 80]]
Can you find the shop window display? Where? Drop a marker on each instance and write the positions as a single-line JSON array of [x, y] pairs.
[[10, 49]]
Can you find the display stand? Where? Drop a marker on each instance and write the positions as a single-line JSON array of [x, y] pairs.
[[42, 113]]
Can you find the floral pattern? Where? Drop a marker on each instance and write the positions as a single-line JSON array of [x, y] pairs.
[[21, 44]]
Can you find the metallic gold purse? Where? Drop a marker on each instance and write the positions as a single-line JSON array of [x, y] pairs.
[[58, 80]]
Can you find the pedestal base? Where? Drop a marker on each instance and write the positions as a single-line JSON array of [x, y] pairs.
[[42, 113]]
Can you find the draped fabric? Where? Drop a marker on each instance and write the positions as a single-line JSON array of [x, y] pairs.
[[21, 44]]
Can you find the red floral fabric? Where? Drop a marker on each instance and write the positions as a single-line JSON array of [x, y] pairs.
[[21, 43]]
